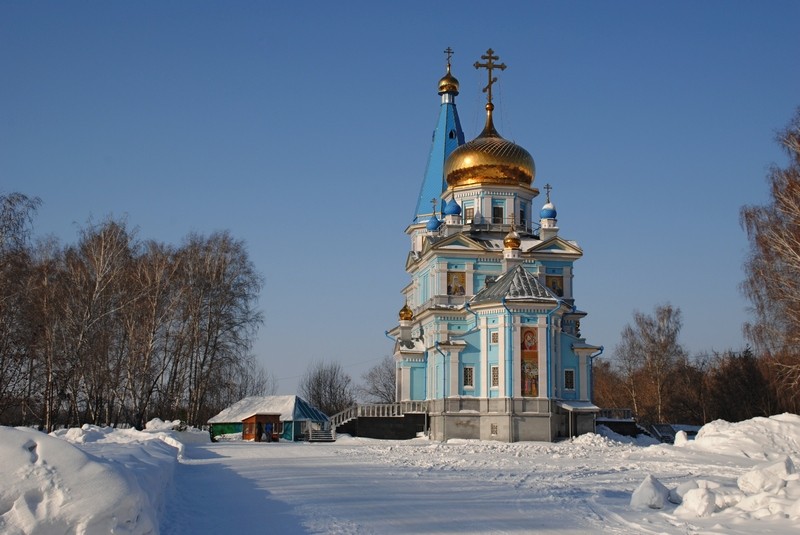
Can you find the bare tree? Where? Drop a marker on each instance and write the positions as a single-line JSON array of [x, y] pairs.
[[16, 216], [112, 330], [737, 388], [16, 366], [772, 280], [327, 387], [219, 317], [647, 354], [379, 382], [608, 388]]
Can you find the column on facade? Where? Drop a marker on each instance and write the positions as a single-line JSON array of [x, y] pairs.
[[567, 281], [555, 373], [583, 376], [440, 278], [469, 276], [486, 375], [544, 372], [404, 378], [451, 360], [516, 355], [507, 373]]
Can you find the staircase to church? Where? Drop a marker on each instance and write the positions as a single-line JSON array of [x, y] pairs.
[[321, 435], [378, 410]]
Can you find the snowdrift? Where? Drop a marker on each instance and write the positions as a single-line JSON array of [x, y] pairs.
[[770, 490], [87, 480], [50, 486]]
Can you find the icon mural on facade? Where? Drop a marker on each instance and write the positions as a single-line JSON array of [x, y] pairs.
[[456, 283], [530, 362], [555, 283]]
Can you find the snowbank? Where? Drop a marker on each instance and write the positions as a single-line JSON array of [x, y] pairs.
[[768, 491], [88, 480], [50, 486], [760, 438], [732, 477], [639, 440]]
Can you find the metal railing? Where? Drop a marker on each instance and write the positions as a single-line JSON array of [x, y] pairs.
[[378, 410], [616, 414], [495, 224]]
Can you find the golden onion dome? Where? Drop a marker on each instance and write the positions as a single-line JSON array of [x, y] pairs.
[[512, 240], [489, 159], [448, 83], [405, 313]]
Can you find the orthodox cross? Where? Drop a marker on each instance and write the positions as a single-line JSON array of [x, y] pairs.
[[449, 52], [547, 188], [489, 66], [433, 202]]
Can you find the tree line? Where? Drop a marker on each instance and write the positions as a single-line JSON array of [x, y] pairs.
[[112, 329], [651, 372]]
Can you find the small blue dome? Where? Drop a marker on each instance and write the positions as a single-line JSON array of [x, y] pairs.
[[452, 208], [548, 211], [433, 223]]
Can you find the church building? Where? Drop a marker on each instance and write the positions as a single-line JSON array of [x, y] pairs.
[[489, 335]]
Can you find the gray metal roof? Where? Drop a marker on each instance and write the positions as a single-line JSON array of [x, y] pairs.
[[517, 284]]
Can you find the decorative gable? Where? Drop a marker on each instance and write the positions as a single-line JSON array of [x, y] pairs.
[[457, 242], [557, 246]]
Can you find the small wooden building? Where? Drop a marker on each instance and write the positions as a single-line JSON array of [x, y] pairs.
[[298, 418], [262, 427]]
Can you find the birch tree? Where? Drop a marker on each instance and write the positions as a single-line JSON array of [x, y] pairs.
[[647, 353], [772, 269]]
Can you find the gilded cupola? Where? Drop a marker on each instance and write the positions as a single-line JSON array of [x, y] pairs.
[[448, 83], [405, 313], [489, 158], [512, 240]]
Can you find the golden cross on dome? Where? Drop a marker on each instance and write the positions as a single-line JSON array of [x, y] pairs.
[[449, 52], [489, 66]]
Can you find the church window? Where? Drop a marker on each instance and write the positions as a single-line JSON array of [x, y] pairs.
[[456, 283], [495, 337], [452, 134], [569, 379], [493, 429], [497, 215], [469, 377], [522, 216], [469, 214], [495, 376]]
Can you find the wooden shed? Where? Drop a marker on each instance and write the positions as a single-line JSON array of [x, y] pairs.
[[298, 418], [262, 427]]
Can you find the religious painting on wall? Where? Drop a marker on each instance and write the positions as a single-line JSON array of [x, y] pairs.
[[456, 283], [555, 283], [530, 361]]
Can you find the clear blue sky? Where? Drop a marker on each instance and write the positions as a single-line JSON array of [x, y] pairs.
[[304, 129]]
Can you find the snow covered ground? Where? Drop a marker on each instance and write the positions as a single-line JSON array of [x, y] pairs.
[[734, 478]]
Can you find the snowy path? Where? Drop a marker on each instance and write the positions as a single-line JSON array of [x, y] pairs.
[[362, 486], [429, 488]]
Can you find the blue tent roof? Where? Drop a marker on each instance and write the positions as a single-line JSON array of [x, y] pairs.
[[290, 408], [446, 138]]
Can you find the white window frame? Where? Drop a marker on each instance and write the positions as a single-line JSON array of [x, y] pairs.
[[494, 374], [471, 384]]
